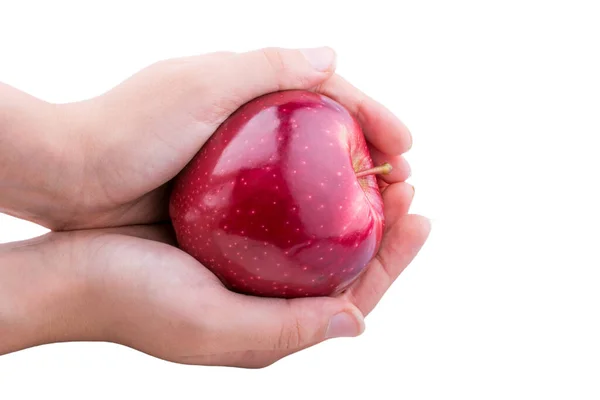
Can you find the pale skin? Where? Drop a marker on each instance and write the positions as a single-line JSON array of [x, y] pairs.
[[96, 173]]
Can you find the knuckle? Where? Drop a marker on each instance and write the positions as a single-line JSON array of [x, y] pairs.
[[275, 59], [253, 360], [291, 336], [258, 364], [281, 65]]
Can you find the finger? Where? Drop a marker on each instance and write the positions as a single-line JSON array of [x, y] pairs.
[[282, 326], [382, 185], [400, 167], [239, 359], [397, 199], [398, 248], [381, 128], [243, 77]]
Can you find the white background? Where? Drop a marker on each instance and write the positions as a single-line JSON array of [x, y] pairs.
[[503, 99]]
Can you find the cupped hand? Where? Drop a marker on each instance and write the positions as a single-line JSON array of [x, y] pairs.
[[135, 138], [148, 295]]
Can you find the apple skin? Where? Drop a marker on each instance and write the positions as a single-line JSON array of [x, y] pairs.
[[271, 203]]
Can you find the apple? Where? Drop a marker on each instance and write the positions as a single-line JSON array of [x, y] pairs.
[[282, 201]]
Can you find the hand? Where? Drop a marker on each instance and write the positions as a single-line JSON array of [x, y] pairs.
[[138, 136], [143, 293], [153, 297]]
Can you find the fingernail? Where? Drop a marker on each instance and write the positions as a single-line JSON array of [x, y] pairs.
[[320, 58], [345, 324]]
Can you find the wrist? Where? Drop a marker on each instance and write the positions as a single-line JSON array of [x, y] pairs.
[[40, 158], [43, 298]]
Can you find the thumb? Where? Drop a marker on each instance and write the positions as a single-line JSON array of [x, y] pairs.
[[246, 76], [286, 325]]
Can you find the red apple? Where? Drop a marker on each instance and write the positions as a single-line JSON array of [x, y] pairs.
[[282, 201]]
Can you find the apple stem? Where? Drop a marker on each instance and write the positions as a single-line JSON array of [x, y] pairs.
[[383, 169]]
